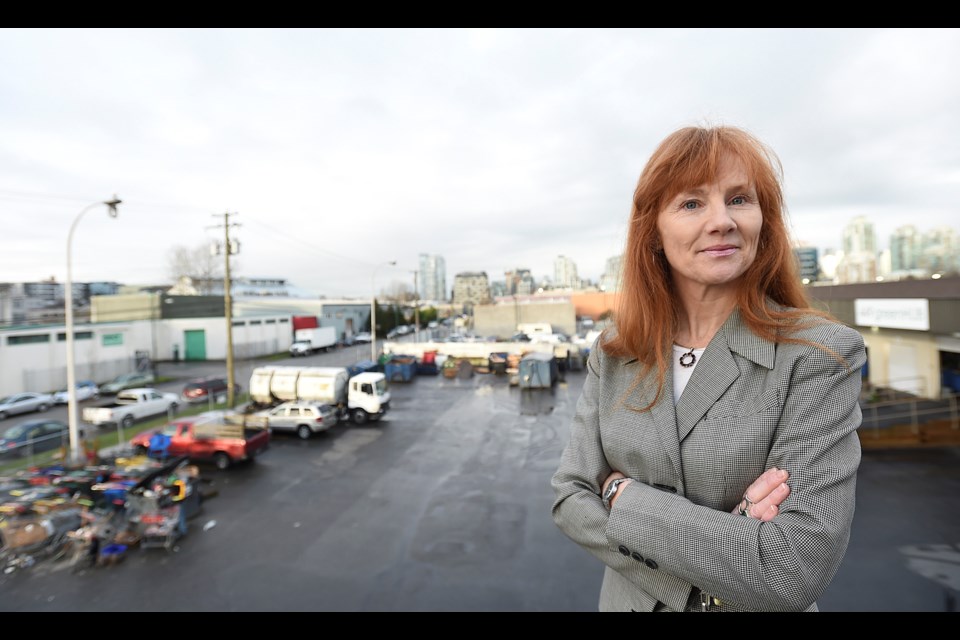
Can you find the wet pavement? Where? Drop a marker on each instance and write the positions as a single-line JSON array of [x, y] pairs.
[[445, 506]]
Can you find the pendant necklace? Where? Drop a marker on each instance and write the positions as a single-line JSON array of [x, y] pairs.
[[688, 359]]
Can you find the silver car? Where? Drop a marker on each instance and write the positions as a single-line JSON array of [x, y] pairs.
[[24, 403], [86, 390], [127, 381], [302, 418]]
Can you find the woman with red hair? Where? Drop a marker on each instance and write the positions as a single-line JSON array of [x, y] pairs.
[[712, 460]]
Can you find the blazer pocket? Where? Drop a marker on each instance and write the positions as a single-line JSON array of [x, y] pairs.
[[737, 408], [746, 428]]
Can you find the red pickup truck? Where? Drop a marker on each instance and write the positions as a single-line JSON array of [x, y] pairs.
[[221, 439]]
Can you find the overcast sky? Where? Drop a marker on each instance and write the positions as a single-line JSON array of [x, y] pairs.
[[340, 150]]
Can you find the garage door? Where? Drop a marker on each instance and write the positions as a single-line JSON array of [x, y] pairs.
[[904, 375], [196, 343]]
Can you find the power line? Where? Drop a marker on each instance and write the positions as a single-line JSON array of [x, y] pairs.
[[310, 245]]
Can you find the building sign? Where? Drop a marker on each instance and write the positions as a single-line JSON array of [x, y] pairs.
[[112, 339], [893, 313]]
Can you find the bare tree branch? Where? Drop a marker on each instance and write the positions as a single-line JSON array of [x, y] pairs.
[[198, 263]]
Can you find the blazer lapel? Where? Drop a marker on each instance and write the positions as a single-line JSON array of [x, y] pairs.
[[714, 374], [665, 416], [718, 369], [662, 414]]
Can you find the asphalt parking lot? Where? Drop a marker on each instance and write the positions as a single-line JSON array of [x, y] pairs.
[[445, 506]]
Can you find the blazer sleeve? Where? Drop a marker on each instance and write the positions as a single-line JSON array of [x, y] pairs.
[[782, 565], [577, 508]]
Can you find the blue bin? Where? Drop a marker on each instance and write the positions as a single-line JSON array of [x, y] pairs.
[[113, 550]]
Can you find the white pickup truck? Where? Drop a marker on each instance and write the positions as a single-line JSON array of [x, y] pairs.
[[131, 405]]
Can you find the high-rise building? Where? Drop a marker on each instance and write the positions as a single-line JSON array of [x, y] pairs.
[[938, 250], [859, 262], [471, 288], [829, 264], [808, 263], [565, 273], [433, 278], [905, 249], [610, 280], [518, 279], [884, 268], [859, 237]]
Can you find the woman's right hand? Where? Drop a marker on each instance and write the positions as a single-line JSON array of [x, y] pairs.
[[764, 496]]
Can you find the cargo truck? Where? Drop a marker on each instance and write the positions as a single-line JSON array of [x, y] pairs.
[[307, 341], [361, 398]]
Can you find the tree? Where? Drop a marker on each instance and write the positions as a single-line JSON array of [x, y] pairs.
[[200, 264], [398, 291], [427, 315]]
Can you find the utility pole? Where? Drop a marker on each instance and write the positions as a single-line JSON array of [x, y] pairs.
[[416, 309], [228, 249]]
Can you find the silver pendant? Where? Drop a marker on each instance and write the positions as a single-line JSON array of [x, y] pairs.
[[688, 359]]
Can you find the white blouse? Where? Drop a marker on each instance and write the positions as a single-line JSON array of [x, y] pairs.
[[681, 374]]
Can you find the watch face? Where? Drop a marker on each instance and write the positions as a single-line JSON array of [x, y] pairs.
[[611, 489]]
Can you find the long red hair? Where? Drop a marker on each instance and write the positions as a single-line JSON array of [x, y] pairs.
[[648, 310]]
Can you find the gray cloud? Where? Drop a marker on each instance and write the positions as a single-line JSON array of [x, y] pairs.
[[340, 149]]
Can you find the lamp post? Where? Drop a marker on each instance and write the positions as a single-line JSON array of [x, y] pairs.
[[373, 310], [76, 452]]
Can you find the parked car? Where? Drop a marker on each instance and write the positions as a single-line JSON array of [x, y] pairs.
[[24, 403], [34, 436], [362, 337], [86, 389], [302, 418], [201, 390], [301, 348], [127, 381]]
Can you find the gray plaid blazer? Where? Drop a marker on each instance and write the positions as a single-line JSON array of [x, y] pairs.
[[749, 405]]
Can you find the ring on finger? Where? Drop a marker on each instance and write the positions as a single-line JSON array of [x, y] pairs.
[[745, 505]]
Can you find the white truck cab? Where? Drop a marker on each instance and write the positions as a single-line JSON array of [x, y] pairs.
[[368, 397]]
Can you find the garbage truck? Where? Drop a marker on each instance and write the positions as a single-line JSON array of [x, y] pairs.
[[361, 398]]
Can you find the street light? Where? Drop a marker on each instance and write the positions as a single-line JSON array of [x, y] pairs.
[[76, 453], [373, 309], [416, 309]]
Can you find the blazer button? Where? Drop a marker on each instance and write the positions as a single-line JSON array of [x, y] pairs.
[[636, 556], [650, 563], [622, 549]]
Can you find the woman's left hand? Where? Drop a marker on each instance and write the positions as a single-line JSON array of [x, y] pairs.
[[762, 499]]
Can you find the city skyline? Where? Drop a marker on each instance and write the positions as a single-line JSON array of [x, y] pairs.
[[339, 149], [432, 273]]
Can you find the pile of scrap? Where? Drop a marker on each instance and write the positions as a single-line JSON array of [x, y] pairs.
[[460, 368], [92, 515]]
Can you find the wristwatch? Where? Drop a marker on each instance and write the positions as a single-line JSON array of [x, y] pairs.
[[611, 491]]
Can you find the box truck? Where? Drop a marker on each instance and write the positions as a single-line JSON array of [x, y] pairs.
[[307, 341]]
